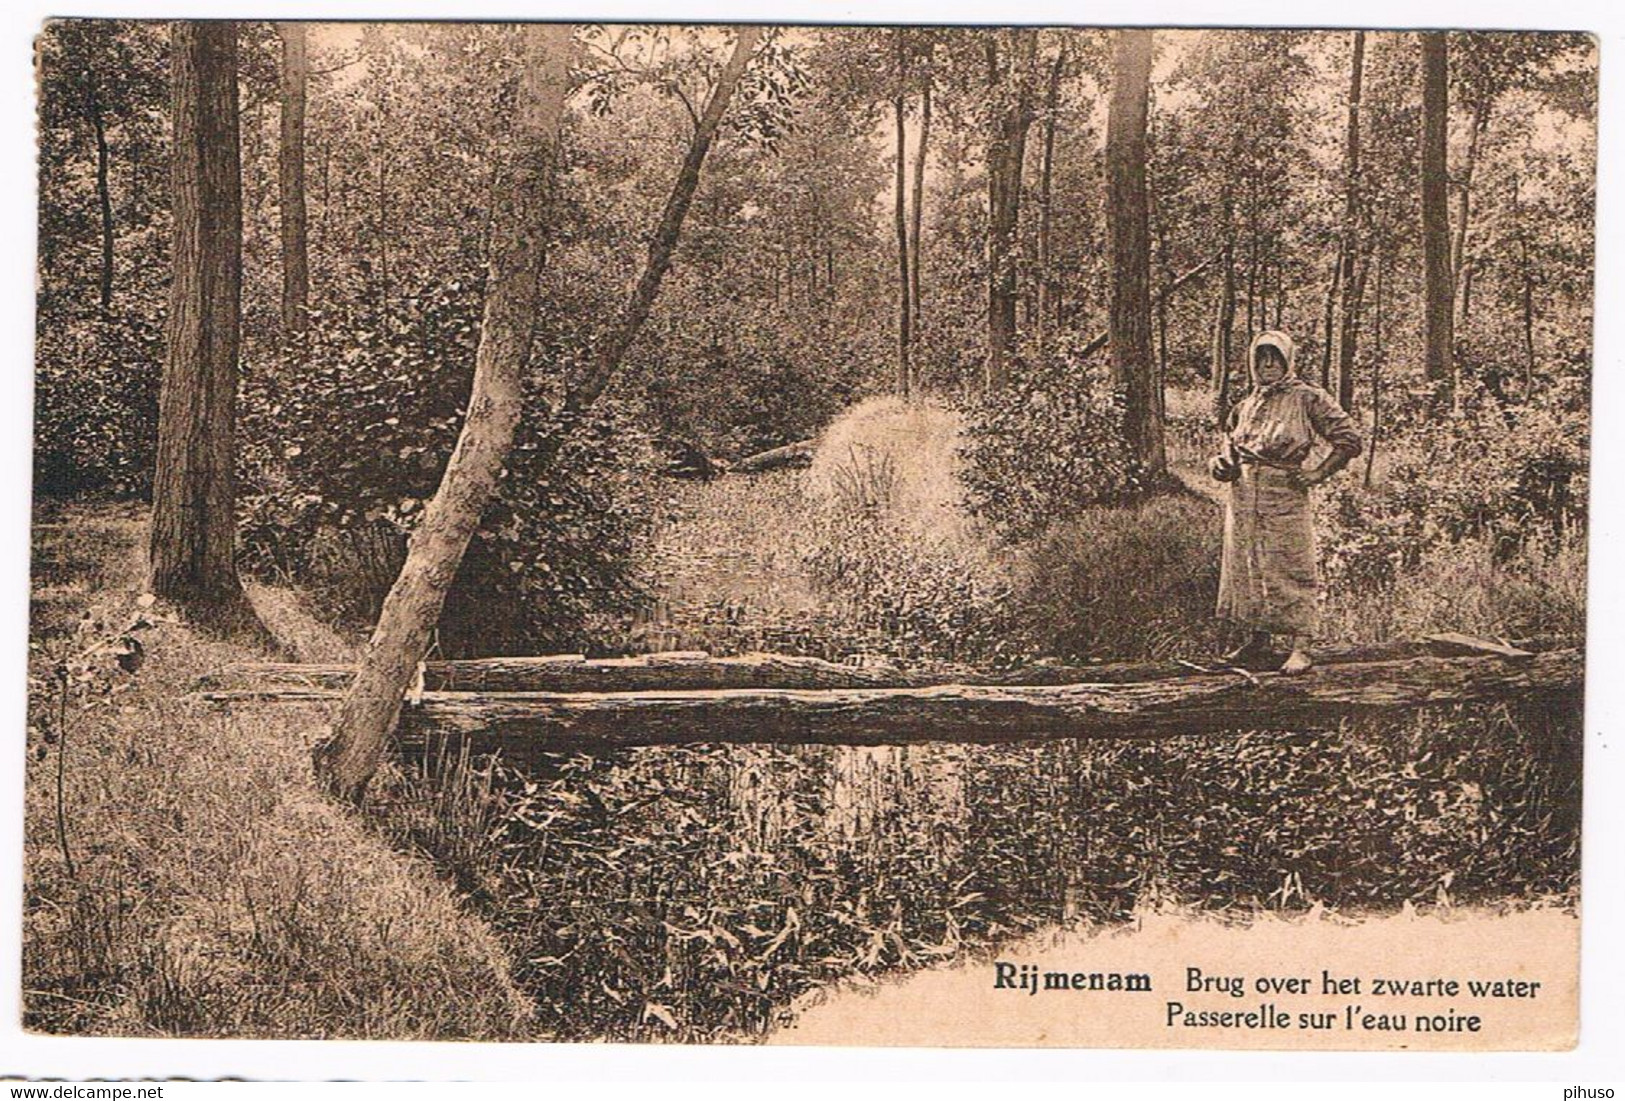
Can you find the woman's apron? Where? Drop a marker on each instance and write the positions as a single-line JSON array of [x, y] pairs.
[[1268, 579]]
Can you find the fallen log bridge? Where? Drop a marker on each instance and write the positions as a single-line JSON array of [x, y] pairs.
[[526, 722], [699, 671]]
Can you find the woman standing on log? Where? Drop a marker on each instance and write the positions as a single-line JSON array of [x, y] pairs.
[[1269, 582]]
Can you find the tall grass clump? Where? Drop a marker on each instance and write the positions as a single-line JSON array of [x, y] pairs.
[[890, 542]]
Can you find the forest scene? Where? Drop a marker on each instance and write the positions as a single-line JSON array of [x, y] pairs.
[[472, 460]]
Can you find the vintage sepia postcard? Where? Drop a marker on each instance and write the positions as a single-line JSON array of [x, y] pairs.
[[824, 535]]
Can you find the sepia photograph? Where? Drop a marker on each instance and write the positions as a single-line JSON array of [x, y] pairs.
[[744, 534]]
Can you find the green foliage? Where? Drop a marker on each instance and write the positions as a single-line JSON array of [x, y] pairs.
[[96, 405], [1044, 447], [740, 383], [927, 598], [1137, 581], [1510, 476], [555, 549]]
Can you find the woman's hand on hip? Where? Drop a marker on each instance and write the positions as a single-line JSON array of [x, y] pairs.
[[1308, 479]]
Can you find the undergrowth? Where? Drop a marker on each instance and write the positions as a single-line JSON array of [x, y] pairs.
[[195, 883]]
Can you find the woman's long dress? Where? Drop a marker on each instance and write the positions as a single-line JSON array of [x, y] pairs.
[[1269, 578]]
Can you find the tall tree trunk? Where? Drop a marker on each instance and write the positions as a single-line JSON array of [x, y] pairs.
[[1328, 332], [1224, 324], [1348, 332], [1162, 301], [1466, 298], [1252, 259], [1438, 300], [1464, 195], [1281, 293], [1046, 276], [104, 201], [1127, 226], [905, 298], [1528, 297], [1007, 148], [1376, 370], [291, 183], [193, 497], [348, 760], [914, 249]]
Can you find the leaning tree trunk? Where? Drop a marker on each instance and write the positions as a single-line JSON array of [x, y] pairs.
[[1349, 328], [1127, 227], [613, 349], [372, 706], [291, 183], [348, 760], [193, 498], [1439, 293]]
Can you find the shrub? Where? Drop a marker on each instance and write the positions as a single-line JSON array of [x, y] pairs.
[[1509, 476], [733, 381], [1048, 444], [334, 497], [96, 405], [929, 598], [1134, 581]]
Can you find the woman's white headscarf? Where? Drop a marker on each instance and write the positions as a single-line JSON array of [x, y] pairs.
[[1281, 342]]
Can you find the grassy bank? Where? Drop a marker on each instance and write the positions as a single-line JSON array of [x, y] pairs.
[[196, 884]]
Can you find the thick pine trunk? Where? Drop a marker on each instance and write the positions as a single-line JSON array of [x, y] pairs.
[[1348, 332], [348, 760], [1438, 292], [1128, 230], [291, 182], [193, 497]]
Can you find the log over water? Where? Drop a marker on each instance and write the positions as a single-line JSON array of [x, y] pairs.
[[697, 671], [522, 723]]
